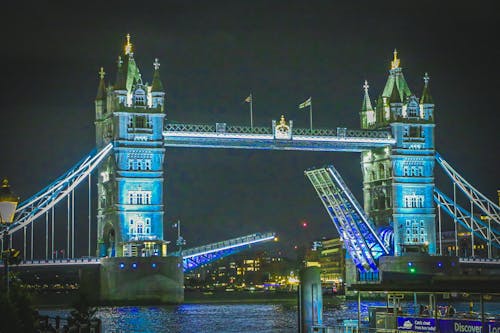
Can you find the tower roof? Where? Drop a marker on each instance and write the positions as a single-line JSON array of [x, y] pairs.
[[156, 85], [367, 105], [397, 79], [395, 96], [128, 72], [101, 90], [426, 94]]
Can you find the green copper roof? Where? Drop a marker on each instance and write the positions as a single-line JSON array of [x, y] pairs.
[[131, 71], [101, 90], [426, 94], [367, 104], [396, 78], [157, 85], [395, 96]]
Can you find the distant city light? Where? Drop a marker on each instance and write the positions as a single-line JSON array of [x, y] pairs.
[[134, 265]]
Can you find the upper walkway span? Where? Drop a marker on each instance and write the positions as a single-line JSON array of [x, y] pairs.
[[281, 136]]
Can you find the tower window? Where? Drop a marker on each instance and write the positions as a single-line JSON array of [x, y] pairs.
[[413, 201], [139, 197]]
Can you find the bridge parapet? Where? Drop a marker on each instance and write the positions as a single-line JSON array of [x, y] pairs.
[[236, 129]]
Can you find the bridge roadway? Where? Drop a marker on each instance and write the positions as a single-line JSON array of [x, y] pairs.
[[190, 255], [273, 138]]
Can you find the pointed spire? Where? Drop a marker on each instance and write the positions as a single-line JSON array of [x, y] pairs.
[[367, 104], [395, 97], [156, 85], [128, 46], [101, 90], [120, 77], [426, 94], [395, 62]]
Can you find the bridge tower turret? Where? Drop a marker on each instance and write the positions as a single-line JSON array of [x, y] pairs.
[[130, 181], [398, 182]]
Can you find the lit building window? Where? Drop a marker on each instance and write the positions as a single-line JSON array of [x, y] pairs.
[[413, 201], [139, 197]]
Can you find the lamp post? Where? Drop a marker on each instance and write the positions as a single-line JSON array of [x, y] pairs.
[[8, 205]]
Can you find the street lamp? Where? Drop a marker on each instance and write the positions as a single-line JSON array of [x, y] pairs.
[[8, 205]]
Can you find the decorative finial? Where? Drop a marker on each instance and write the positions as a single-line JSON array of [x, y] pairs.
[[119, 61], [282, 120], [366, 86], [5, 183], [156, 64], [426, 79], [128, 45], [395, 61], [102, 73]]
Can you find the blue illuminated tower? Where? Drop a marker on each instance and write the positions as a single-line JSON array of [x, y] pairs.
[[398, 182], [130, 114]]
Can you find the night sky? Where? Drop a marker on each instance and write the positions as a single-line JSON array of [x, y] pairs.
[[213, 54]]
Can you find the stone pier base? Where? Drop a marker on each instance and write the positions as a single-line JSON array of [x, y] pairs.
[[141, 280]]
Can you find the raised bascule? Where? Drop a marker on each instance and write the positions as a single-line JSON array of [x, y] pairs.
[[397, 221]]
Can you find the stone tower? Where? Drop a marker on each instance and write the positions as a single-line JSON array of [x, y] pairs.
[[130, 114], [398, 182]]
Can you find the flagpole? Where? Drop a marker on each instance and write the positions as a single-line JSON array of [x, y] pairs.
[[311, 114], [251, 110]]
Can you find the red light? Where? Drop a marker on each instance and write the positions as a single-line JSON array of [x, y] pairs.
[[304, 224]]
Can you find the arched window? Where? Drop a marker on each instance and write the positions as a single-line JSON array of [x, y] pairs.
[[139, 97], [381, 170]]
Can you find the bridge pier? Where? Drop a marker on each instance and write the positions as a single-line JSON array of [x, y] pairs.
[[141, 280]]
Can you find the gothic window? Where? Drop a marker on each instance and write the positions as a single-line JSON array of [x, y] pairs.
[[147, 230], [381, 201], [139, 228], [140, 97], [413, 201], [140, 121], [406, 171], [373, 175], [148, 221], [139, 197], [130, 164], [147, 164], [415, 132], [131, 221], [381, 170], [139, 164]]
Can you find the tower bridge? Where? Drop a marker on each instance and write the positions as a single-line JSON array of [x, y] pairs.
[[398, 215]]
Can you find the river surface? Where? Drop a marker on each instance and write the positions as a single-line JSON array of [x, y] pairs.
[[201, 318]]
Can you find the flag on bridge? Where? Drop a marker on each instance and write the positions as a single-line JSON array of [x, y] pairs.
[[249, 99], [305, 103]]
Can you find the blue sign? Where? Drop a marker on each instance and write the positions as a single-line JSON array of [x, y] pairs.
[[409, 324], [468, 326]]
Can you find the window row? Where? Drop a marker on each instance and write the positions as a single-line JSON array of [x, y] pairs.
[[135, 121], [413, 170], [139, 164], [413, 201], [139, 197]]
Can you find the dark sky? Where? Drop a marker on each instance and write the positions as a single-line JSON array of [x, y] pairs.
[[213, 54]]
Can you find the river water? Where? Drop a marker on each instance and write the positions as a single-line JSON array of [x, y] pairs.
[[201, 318]]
